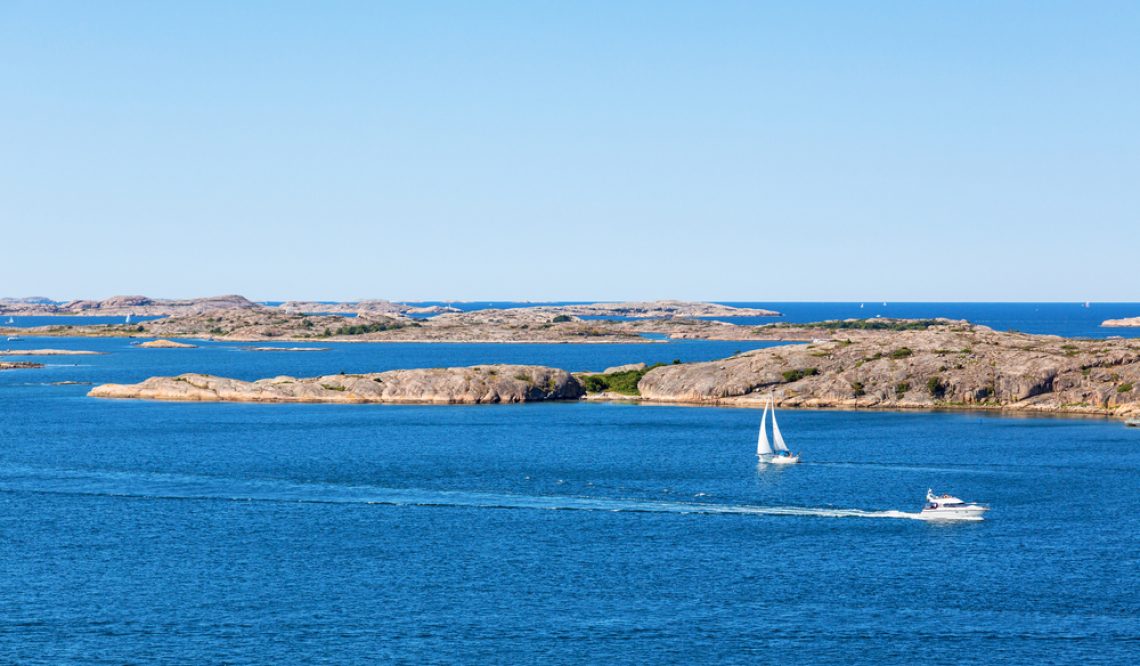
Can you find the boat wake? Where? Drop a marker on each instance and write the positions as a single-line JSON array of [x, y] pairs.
[[138, 485]]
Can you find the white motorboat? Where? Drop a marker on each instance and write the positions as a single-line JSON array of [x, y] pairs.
[[948, 507], [776, 452], [14, 338]]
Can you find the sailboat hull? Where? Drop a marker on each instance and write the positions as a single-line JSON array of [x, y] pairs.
[[780, 460]]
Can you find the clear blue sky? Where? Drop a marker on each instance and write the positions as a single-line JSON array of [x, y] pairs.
[[571, 150]]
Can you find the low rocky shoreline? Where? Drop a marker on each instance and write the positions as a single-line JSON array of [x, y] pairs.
[[473, 385], [5, 365], [48, 352], [895, 364]]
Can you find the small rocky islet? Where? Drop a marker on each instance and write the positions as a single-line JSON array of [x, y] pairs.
[[18, 365], [1121, 323], [166, 344]]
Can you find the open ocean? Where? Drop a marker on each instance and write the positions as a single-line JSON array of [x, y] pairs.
[[148, 532]]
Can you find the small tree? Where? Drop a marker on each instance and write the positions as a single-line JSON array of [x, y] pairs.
[[936, 387]]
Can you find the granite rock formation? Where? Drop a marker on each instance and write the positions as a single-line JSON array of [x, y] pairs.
[[948, 364], [470, 385]]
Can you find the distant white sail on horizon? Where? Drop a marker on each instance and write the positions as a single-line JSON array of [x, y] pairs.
[[763, 448]]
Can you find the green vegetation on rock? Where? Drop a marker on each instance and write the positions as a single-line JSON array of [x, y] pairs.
[[874, 324], [624, 382], [361, 329], [936, 387], [798, 374]]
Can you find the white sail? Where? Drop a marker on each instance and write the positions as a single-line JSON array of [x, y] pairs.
[[762, 446], [776, 436]]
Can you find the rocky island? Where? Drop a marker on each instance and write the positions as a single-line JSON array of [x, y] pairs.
[[473, 385], [242, 320], [4, 365], [917, 365], [854, 364], [166, 344], [120, 306], [651, 310], [1121, 323]]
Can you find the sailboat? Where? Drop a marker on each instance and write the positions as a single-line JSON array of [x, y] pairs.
[[777, 452], [128, 319], [11, 320]]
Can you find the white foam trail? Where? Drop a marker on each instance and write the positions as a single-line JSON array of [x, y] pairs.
[[978, 469], [171, 486]]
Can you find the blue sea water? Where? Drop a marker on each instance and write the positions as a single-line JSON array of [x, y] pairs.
[[149, 532]]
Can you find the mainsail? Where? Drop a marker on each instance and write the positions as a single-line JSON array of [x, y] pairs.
[[762, 446], [776, 436]]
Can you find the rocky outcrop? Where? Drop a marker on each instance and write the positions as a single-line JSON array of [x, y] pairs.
[[26, 300], [31, 305], [623, 368], [235, 318], [482, 326], [120, 306], [270, 324], [1130, 321], [472, 385], [166, 344], [366, 307], [947, 364], [22, 364], [641, 309], [659, 309]]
